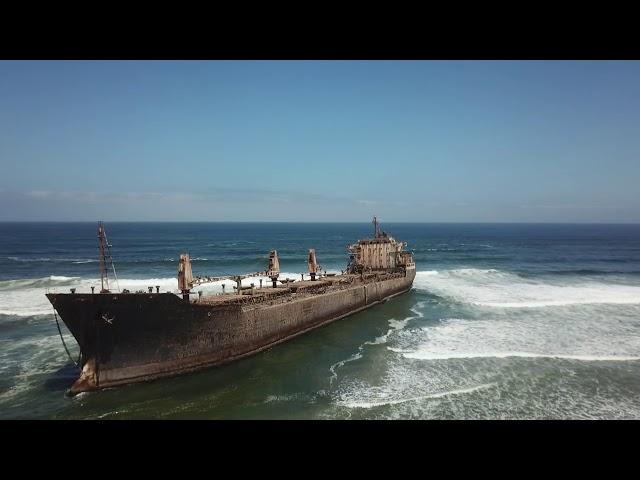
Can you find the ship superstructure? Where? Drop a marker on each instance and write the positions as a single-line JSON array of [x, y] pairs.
[[381, 253]]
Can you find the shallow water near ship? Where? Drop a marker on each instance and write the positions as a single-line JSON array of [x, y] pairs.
[[503, 321]]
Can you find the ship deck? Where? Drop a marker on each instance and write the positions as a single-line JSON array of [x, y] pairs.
[[293, 290]]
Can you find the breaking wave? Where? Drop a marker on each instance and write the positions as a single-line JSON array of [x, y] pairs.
[[588, 333], [495, 288], [44, 282], [48, 259], [427, 355], [382, 402], [394, 326]]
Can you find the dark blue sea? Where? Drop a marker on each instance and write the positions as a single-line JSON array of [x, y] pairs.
[[504, 321]]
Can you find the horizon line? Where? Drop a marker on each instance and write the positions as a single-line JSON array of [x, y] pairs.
[[331, 222]]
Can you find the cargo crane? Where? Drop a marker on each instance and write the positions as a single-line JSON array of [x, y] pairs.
[[185, 276], [314, 268], [273, 272]]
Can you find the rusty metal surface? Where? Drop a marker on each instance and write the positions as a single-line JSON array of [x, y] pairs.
[[127, 338], [133, 337], [185, 276]]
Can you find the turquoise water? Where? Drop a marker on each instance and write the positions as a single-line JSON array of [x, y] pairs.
[[504, 321]]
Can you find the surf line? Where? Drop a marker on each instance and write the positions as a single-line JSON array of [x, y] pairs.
[[380, 403], [378, 341]]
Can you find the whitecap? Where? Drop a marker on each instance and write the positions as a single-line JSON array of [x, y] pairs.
[[382, 402], [427, 355], [497, 289]]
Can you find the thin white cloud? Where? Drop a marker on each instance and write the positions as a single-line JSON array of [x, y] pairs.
[[40, 193]]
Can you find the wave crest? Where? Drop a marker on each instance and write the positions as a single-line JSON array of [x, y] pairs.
[[499, 289], [44, 282]]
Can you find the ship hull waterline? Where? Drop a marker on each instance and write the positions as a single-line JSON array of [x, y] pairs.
[[134, 338]]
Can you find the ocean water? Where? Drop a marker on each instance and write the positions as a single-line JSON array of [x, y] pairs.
[[503, 322]]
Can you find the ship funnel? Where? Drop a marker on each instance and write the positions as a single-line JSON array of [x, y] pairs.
[[273, 272], [313, 264], [185, 277]]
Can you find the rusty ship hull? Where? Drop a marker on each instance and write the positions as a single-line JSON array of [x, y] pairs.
[[134, 337]]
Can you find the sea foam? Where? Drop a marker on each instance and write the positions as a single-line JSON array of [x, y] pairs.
[[497, 289], [371, 403]]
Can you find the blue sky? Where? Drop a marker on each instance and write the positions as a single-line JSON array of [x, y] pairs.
[[428, 141]]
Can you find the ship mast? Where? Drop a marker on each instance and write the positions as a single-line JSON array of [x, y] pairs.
[[376, 226], [106, 260]]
